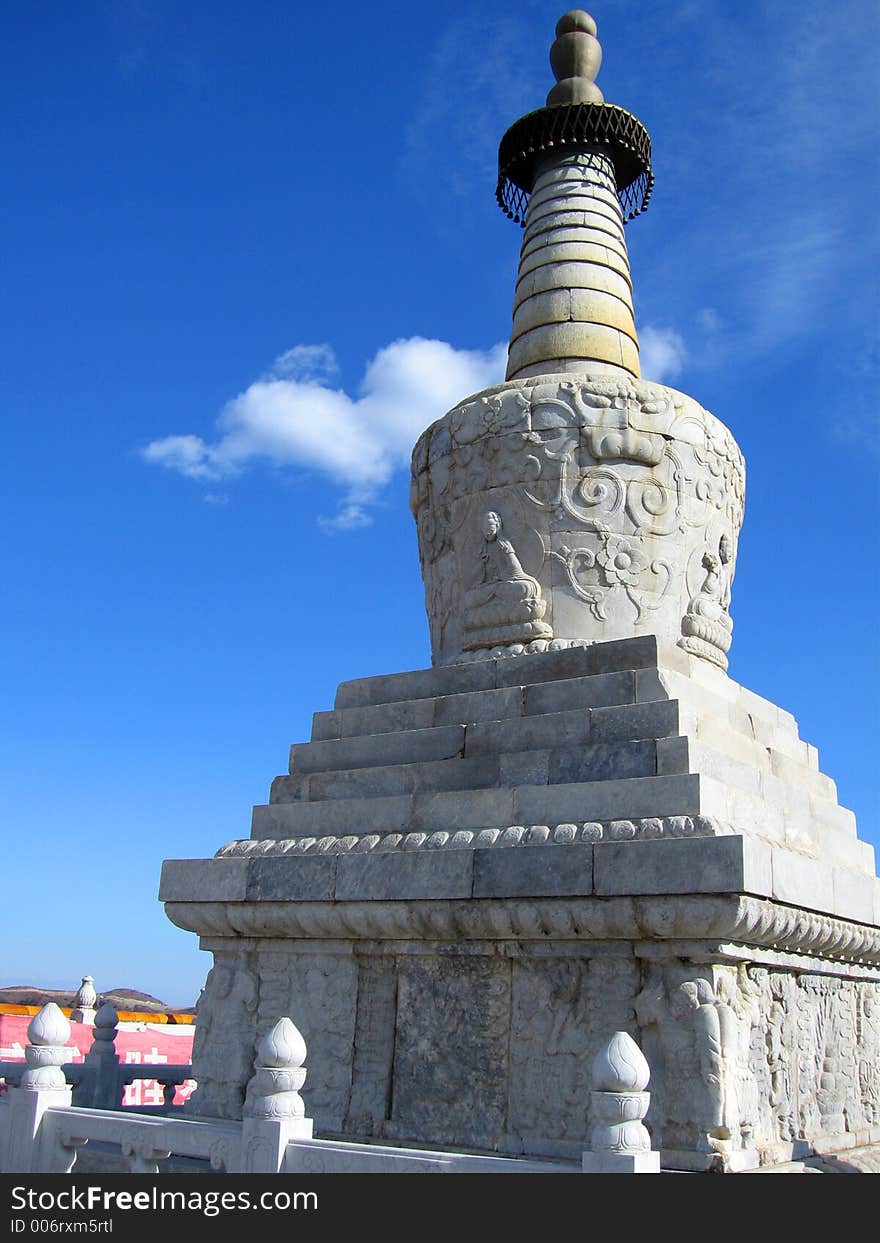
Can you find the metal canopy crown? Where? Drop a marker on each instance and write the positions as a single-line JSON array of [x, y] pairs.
[[575, 125], [575, 116]]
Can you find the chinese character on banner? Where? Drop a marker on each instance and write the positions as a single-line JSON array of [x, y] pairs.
[[153, 1092]]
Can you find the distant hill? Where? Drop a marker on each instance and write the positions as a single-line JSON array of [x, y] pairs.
[[121, 998]]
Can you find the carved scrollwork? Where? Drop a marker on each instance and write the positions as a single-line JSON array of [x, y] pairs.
[[602, 457]]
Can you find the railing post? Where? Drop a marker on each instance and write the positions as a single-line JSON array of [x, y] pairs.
[[274, 1111], [28, 1146], [620, 1143], [101, 1084], [85, 1001]]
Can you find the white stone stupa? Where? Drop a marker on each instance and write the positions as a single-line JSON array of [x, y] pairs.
[[573, 824]]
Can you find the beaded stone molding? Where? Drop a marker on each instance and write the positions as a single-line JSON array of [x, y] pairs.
[[481, 839]]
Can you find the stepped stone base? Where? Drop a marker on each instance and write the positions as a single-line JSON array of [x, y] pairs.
[[473, 875]]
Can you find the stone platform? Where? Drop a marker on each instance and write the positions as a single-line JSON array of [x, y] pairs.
[[474, 874]]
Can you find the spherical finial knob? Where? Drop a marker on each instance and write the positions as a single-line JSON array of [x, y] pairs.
[[575, 19], [575, 57]]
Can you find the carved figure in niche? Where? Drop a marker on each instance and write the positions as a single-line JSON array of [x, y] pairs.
[[869, 1054], [707, 627], [781, 1042], [698, 1037], [725, 556], [568, 1000], [506, 606], [742, 998], [224, 1042], [715, 1028]]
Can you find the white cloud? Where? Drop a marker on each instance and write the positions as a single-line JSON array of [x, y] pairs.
[[291, 417], [186, 454], [662, 353], [304, 362]]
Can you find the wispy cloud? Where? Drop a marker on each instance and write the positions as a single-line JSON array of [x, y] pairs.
[[292, 417], [662, 353], [766, 169], [481, 75]]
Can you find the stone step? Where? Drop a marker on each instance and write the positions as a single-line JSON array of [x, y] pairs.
[[592, 691], [621, 723], [846, 851], [779, 778], [796, 762], [802, 773], [787, 815], [550, 766], [628, 798], [616, 656], [747, 715], [376, 750]]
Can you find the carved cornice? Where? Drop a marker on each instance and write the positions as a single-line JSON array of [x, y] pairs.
[[715, 919]]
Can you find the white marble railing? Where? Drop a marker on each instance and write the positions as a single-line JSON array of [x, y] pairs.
[[41, 1130], [100, 1080]]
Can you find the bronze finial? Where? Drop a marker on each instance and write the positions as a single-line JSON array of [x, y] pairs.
[[575, 58]]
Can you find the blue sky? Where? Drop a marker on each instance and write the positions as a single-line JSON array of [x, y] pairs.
[[248, 253]]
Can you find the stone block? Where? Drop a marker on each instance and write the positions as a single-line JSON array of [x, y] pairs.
[[673, 755], [529, 733], [462, 809], [619, 654], [286, 789], [538, 872], [800, 881], [748, 813], [595, 691], [631, 721], [325, 725], [337, 817], [722, 737], [756, 706], [772, 736], [416, 684], [452, 1014], [621, 1163], [306, 878], [800, 773], [627, 799], [203, 880], [794, 800], [526, 670], [524, 768], [386, 718], [651, 684], [842, 849], [401, 875], [475, 773], [832, 815], [711, 763], [693, 865], [853, 895], [680, 685], [478, 706], [604, 761], [405, 747]]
